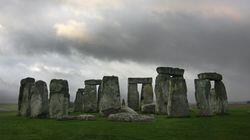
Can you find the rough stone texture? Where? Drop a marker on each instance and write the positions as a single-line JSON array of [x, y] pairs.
[[59, 98], [93, 82], [78, 104], [147, 80], [221, 97], [24, 96], [39, 103], [161, 93], [177, 98], [90, 99], [202, 96], [213, 101], [125, 109], [148, 108], [133, 97], [171, 71], [147, 94], [128, 117], [210, 76], [80, 117], [110, 98]]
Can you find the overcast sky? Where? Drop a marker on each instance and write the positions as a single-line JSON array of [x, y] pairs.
[[84, 39]]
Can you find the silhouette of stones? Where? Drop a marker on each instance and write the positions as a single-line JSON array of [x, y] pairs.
[[110, 99], [202, 96], [24, 96], [59, 98], [90, 99], [78, 104], [146, 94], [216, 98], [39, 102], [171, 92]]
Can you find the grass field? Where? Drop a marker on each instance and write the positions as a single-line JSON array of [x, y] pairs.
[[235, 126]]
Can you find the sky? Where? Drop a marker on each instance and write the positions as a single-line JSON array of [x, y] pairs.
[[78, 40]]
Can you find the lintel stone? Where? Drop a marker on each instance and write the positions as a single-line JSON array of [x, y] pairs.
[[147, 80], [170, 71], [210, 76], [93, 82]]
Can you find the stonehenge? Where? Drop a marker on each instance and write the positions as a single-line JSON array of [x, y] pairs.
[[103, 96], [59, 98], [171, 92], [146, 95], [210, 100], [78, 103], [39, 103]]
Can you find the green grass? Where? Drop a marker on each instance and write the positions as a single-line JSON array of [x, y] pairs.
[[230, 127]]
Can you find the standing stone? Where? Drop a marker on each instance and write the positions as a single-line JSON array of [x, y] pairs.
[[147, 94], [177, 98], [39, 102], [213, 101], [133, 97], [161, 93], [202, 96], [59, 98], [90, 99], [99, 96], [110, 100], [221, 97], [24, 96], [78, 104]]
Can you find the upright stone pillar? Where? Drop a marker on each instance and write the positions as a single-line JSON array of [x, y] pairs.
[[177, 98], [147, 94], [221, 96], [110, 100], [133, 96], [202, 96], [213, 101], [59, 98], [24, 96], [39, 100], [90, 99], [78, 104]]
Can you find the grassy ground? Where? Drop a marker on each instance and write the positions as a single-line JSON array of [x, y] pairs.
[[230, 127]]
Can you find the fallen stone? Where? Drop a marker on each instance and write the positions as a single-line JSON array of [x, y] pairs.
[[110, 99], [128, 117], [93, 82], [140, 80], [79, 117], [127, 110], [202, 96], [177, 98], [133, 97], [78, 104], [39, 102], [59, 98], [210, 76], [24, 96], [148, 108]]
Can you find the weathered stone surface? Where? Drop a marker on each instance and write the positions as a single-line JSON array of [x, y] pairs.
[[210, 76], [221, 96], [148, 108], [78, 104], [90, 99], [59, 98], [93, 82], [147, 80], [110, 98], [133, 97], [147, 94], [39, 103], [177, 98], [202, 96], [24, 96], [128, 117], [161, 93], [125, 109], [79, 117], [213, 101], [171, 71]]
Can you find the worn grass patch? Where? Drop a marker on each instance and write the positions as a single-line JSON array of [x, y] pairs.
[[229, 127]]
